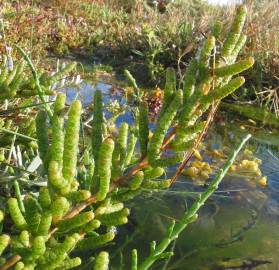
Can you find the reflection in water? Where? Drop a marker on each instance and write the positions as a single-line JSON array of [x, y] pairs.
[[85, 91]]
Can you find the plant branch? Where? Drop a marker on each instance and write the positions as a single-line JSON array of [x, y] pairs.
[[37, 81], [191, 215], [11, 262], [190, 153]]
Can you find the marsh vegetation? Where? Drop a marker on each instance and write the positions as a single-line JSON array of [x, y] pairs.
[[119, 121]]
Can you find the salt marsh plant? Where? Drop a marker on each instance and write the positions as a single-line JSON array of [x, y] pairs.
[[14, 82], [86, 188]]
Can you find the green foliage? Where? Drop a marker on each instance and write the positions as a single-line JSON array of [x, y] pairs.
[[170, 85], [45, 223], [190, 80], [126, 195], [136, 181], [24, 238], [4, 242], [10, 80], [131, 79], [42, 133], [59, 208], [57, 128], [87, 186], [97, 124], [157, 252], [130, 149], [189, 133], [134, 260], [56, 257], [235, 68], [71, 141], [79, 196], [44, 198], [161, 129], [70, 263], [50, 80], [56, 178], [104, 166], [149, 184], [102, 261], [75, 222], [153, 173], [32, 213], [1, 216], [143, 128], [92, 225], [115, 218], [235, 33], [16, 214], [17, 82], [107, 207], [38, 246], [205, 56], [206, 51], [122, 140], [95, 241], [222, 92], [253, 112]]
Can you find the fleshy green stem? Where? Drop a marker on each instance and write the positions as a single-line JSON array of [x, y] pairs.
[[191, 215], [37, 81]]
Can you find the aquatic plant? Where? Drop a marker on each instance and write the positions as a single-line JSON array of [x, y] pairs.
[[158, 251], [87, 187]]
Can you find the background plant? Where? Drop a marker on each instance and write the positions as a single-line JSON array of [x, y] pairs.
[[104, 28]]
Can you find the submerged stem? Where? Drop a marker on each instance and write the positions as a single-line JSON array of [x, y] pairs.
[[191, 214]]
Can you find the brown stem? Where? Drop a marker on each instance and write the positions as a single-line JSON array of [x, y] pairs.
[[190, 153], [123, 179], [10, 262], [169, 138], [120, 181]]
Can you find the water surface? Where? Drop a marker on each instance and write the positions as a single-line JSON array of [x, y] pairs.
[[238, 228]]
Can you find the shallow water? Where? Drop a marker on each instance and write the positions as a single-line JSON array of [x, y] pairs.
[[238, 228]]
